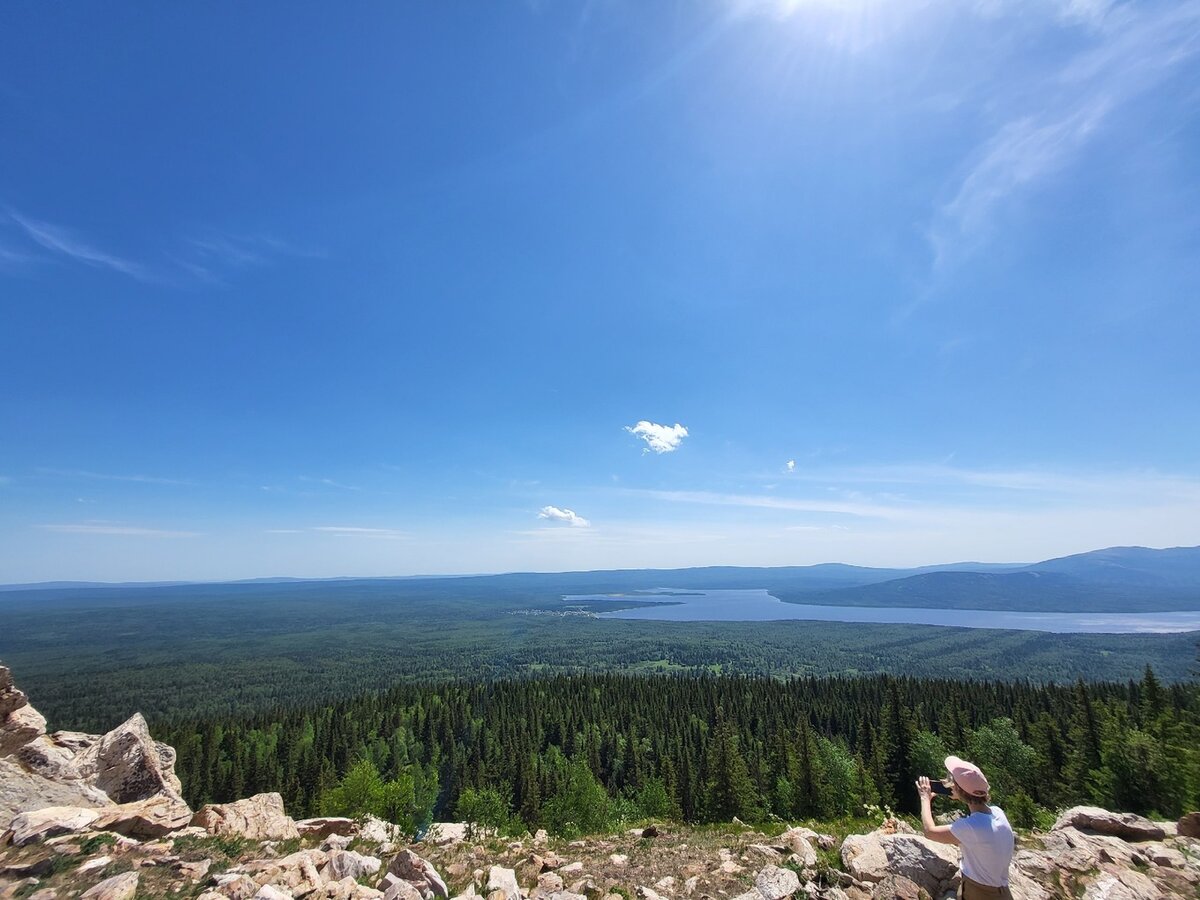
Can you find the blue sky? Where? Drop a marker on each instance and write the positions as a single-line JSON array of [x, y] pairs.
[[301, 289]]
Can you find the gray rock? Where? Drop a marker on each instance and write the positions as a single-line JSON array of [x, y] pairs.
[[348, 864], [502, 879], [897, 887], [119, 887], [32, 827], [872, 857], [799, 842], [20, 727], [323, 827], [774, 883], [1189, 825], [260, 817], [406, 866], [151, 818], [1126, 826]]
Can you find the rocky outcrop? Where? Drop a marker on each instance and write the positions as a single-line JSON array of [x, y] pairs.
[[20, 723], [1127, 826], [260, 817], [150, 818], [124, 769], [127, 764], [873, 857], [38, 825]]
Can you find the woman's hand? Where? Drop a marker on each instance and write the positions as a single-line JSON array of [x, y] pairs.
[[924, 791]]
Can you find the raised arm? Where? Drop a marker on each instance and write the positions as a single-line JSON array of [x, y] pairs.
[[939, 833]]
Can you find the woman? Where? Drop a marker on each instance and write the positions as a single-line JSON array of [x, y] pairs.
[[984, 835]]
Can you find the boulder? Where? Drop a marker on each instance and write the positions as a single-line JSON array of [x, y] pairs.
[[1127, 826], [769, 854], [447, 833], [32, 827], [872, 857], [119, 887], [797, 841], [20, 727], [897, 887], [323, 827], [549, 883], [11, 699], [377, 831], [1162, 855], [502, 879], [396, 889], [236, 886], [48, 758], [260, 817], [347, 863], [774, 883], [23, 791], [127, 764], [270, 892], [419, 873], [1189, 825], [150, 818]]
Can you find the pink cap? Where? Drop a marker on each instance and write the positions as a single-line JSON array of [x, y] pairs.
[[967, 776]]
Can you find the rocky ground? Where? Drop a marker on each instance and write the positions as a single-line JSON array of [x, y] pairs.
[[100, 817]]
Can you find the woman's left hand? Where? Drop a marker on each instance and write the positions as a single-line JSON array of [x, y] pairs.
[[924, 791]]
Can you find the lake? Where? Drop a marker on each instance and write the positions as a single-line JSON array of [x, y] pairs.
[[760, 606]]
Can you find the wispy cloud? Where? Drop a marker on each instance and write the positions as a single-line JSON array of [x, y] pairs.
[[566, 516], [64, 242], [111, 528], [1135, 49], [659, 438], [102, 476], [358, 531], [214, 254], [791, 465], [757, 501], [329, 482]]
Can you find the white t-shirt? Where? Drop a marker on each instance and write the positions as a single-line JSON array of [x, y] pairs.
[[987, 846]]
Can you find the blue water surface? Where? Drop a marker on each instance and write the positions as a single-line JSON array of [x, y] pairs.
[[760, 606]]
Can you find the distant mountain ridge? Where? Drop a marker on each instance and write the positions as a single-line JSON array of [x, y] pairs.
[[1115, 579]]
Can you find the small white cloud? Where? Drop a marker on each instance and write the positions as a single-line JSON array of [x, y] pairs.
[[791, 465], [568, 516], [659, 438]]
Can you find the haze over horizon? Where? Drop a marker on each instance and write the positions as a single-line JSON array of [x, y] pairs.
[[544, 287]]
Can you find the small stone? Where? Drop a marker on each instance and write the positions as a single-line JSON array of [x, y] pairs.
[[93, 865], [619, 860]]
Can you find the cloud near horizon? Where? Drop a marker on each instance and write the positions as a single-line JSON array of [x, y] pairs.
[[566, 516], [109, 528], [659, 438]]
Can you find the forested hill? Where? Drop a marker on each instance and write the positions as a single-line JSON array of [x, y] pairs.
[[706, 748]]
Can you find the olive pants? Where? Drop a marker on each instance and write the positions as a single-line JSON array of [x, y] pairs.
[[973, 890]]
